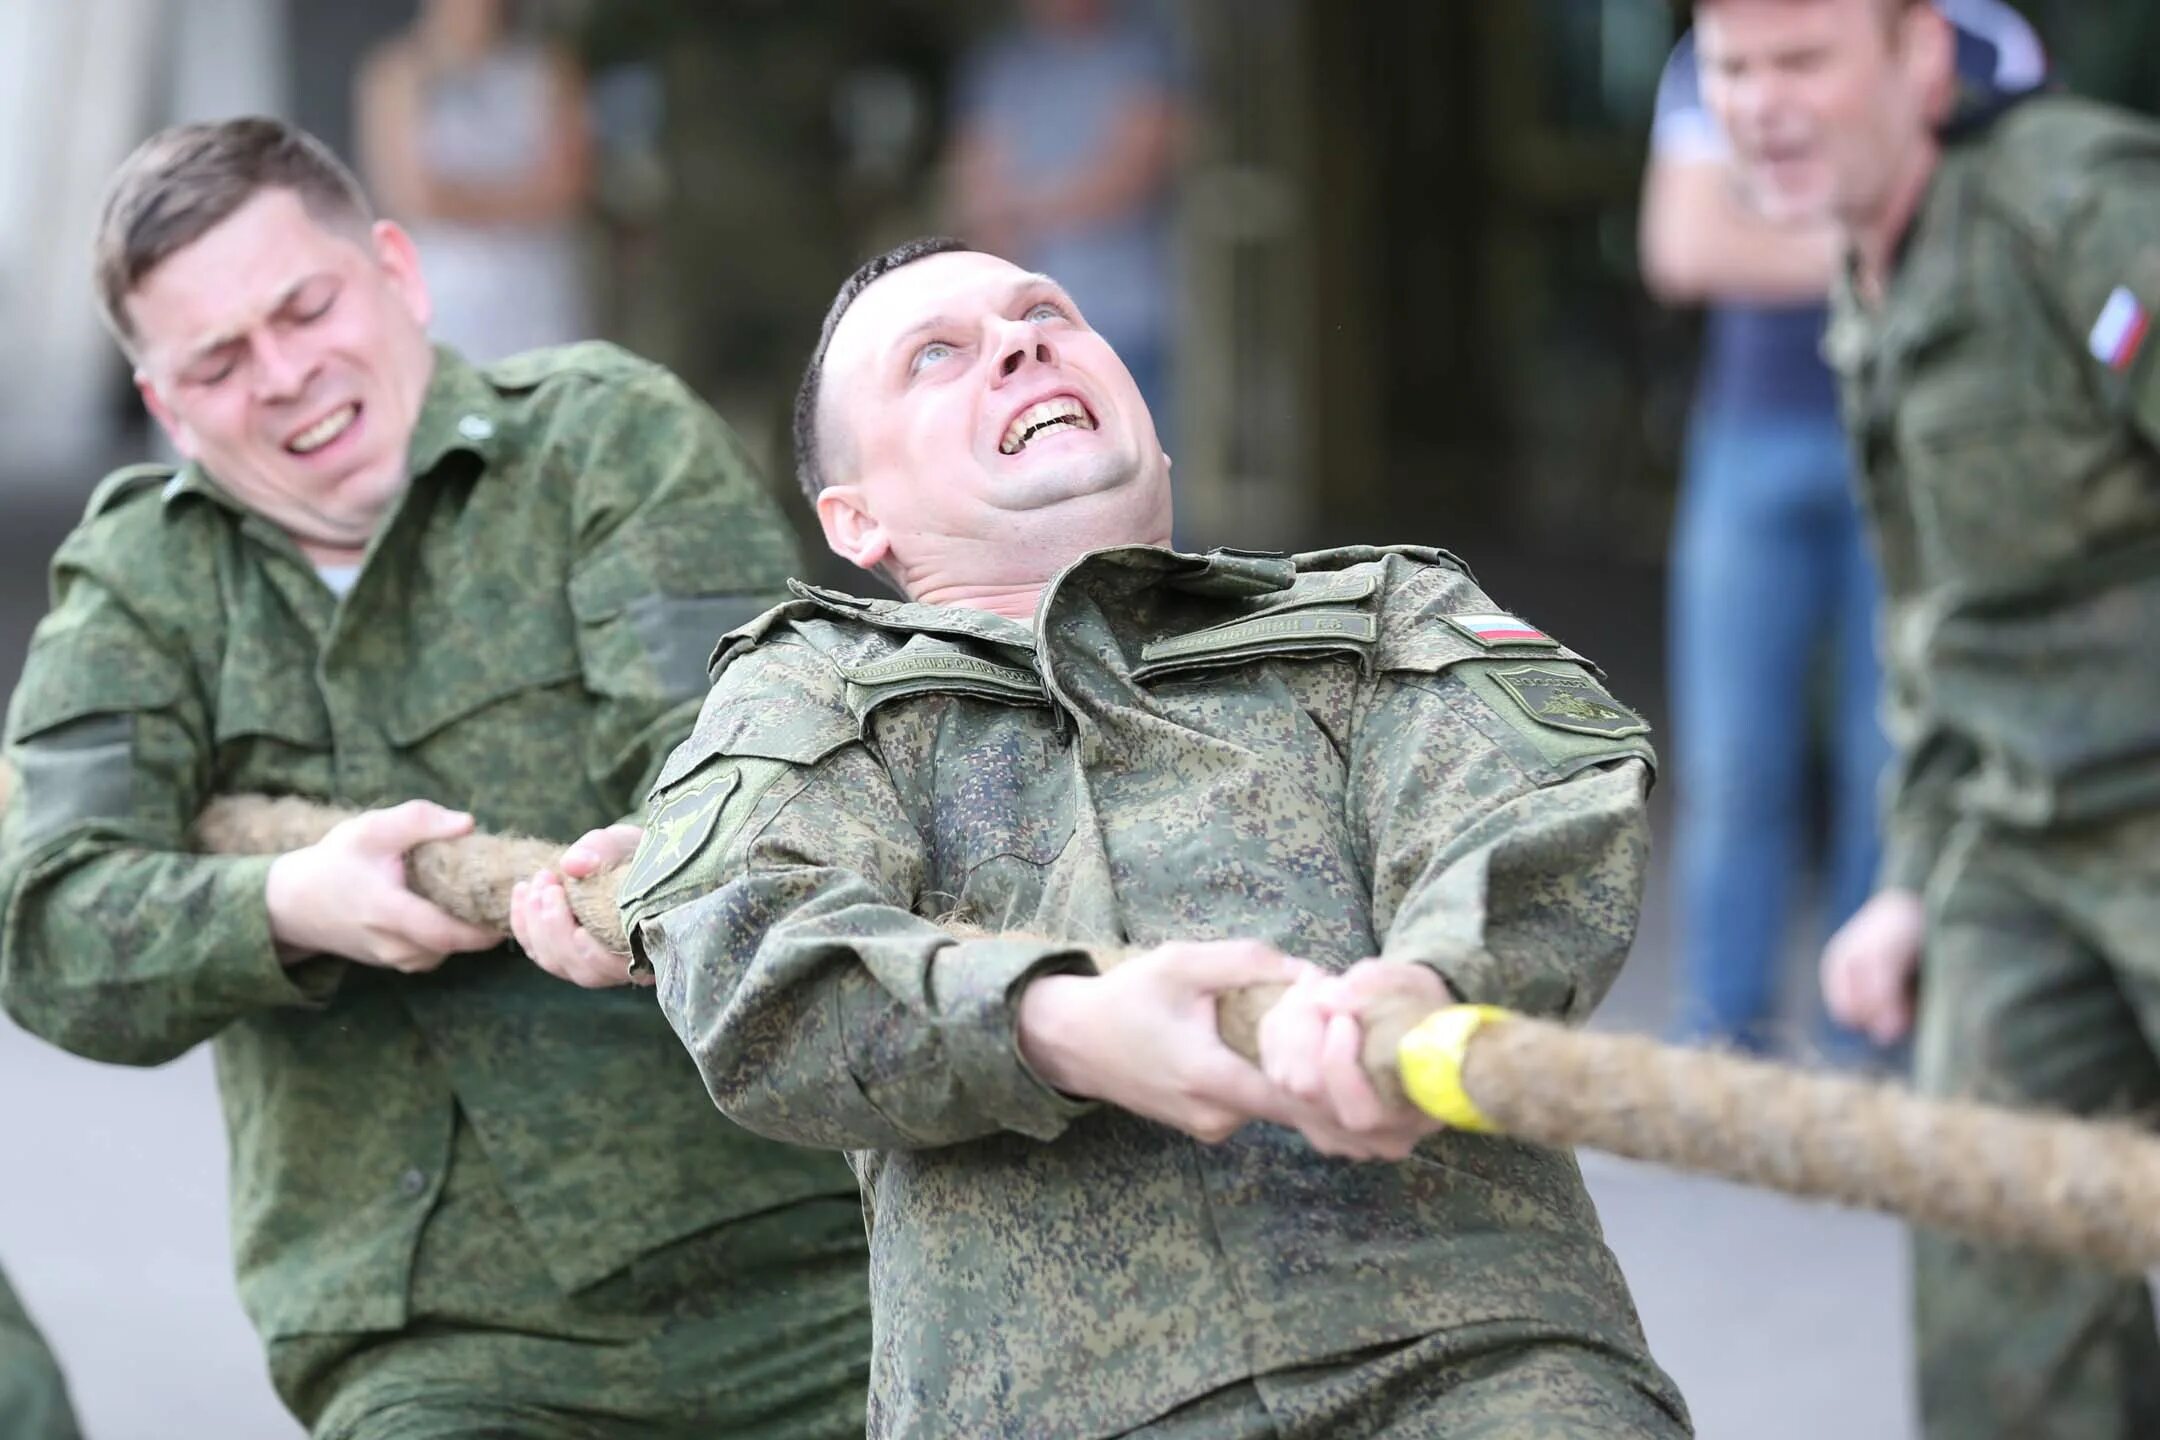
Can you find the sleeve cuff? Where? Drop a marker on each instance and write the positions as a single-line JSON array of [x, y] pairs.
[[1909, 853], [248, 967], [1478, 978], [979, 984]]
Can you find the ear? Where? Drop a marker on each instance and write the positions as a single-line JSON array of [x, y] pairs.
[[176, 429], [400, 262], [1930, 51], [851, 531]]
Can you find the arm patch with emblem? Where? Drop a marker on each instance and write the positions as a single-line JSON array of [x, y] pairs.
[[675, 832]]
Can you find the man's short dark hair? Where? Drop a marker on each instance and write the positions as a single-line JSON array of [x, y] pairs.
[[185, 181], [809, 463]]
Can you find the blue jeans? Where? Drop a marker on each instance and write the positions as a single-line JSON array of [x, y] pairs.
[[1769, 566]]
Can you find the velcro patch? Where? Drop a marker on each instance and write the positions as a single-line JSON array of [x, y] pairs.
[[1569, 700], [1287, 630], [675, 833], [2120, 332], [1500, 628]]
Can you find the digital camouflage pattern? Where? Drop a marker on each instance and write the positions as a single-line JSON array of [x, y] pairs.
[[525, 640], [2005, 406], [1180, 748], [33, 1396]]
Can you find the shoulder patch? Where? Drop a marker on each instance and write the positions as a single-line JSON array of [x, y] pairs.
[[1569, 700], [124, 484], [675, 832], [1497, 627]]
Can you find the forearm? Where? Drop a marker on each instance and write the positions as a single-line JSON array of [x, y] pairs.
[[133, 957], [1534, 906], [822, 1014], [1702, 243]]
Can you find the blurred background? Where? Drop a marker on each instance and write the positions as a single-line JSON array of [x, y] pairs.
[[1375, 263]]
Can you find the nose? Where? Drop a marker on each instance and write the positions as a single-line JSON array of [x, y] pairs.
[[282, 371], [1020, 344]]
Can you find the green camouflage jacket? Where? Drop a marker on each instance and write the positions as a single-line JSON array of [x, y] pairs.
[[525, 640], [2005, 408], [1340, 754]]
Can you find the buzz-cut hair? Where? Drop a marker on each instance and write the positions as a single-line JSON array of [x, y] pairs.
[[809, 457], [185, 181]]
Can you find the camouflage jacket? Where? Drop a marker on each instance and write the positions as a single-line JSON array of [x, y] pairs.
[[2005, 406], [525, 639], [1340, 754]]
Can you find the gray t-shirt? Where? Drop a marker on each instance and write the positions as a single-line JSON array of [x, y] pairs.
[[1051, 101]]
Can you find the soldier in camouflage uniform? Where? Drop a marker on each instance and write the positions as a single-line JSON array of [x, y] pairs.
[[470, 1197], [1069, 736], [33, 1397], [2004, 401]]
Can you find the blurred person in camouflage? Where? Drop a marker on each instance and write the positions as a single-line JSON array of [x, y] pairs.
[[1990, 329], [33, 1395], [1770, 571], [473, 1193], [1344, 770]]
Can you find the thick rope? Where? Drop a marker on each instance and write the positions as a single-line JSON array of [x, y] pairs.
[[2081, 1190]]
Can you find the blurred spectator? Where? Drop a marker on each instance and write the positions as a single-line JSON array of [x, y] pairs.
[[1768, 564], [475, 137], [1066, 137]]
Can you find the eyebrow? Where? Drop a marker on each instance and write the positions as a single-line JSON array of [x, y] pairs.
[[907, 338], [222, 342]]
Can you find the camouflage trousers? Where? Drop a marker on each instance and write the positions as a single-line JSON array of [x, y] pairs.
[[33, 1397], [758, 1329], [1478, 1382], [2041, 987]]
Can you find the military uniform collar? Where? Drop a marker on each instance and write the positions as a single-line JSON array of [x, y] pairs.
[[459, 414], [909, 615]]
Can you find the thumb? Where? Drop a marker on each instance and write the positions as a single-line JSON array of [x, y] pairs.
[[401, 827], [1211, 968]]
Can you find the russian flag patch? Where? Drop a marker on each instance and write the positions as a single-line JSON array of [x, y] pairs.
[[1499, 628], [2120, 332]]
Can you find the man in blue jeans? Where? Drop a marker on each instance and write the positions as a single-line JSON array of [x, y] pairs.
[[1769, 565]]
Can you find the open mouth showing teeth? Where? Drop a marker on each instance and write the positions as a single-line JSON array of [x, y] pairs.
[[1049, 415], [323, 431]]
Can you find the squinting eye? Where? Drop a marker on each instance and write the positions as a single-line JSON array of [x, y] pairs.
[[931, 354], [1037, 314]]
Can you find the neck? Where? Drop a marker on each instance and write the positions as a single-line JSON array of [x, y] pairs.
[[1875, 240], [1015, 601], [320, 553]]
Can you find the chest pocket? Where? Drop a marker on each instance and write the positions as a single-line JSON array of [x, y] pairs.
[[502, 731], [981, 761], [1994, 435], [1323, 617], [271, 727]]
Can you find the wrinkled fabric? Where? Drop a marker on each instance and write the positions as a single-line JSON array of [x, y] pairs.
[[2042, 991], [2005, 402], [1301, 750], [576, 525], [2011, 480]]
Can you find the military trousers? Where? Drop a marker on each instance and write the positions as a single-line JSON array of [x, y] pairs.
[[759, 1328], [1499, 1381], [2040, 987], [33, 1398]]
